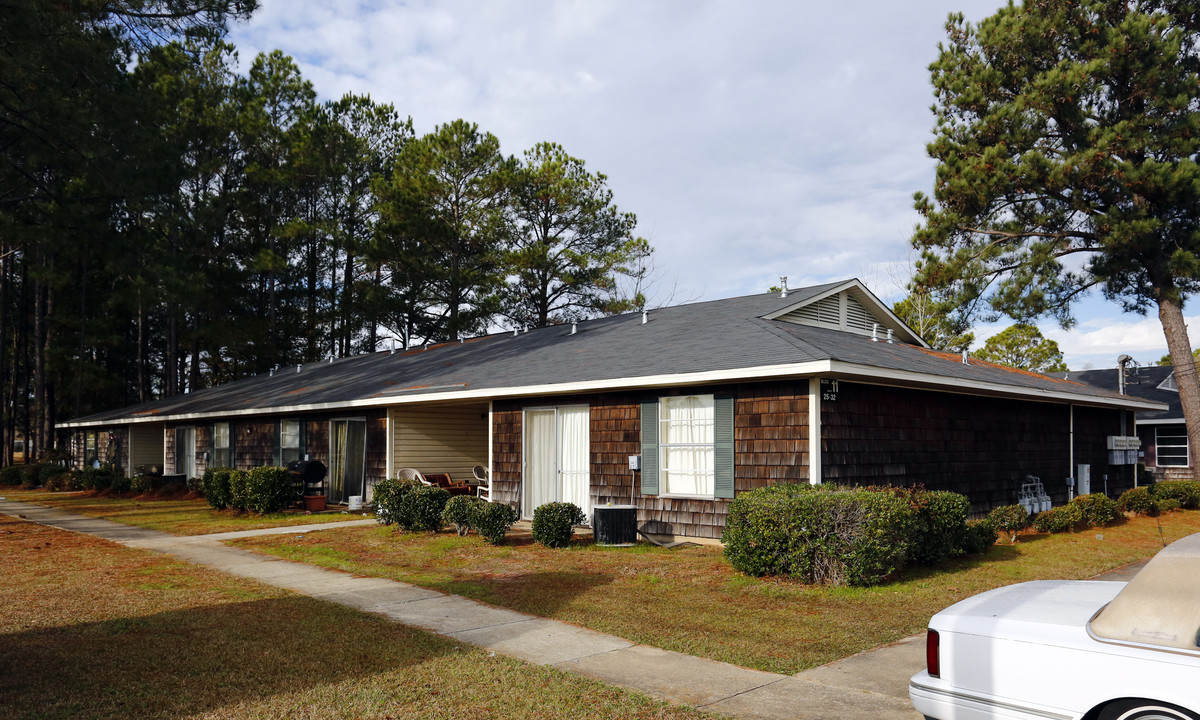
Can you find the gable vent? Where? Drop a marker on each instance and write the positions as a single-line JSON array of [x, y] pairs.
[[857, 316], [842, 311]]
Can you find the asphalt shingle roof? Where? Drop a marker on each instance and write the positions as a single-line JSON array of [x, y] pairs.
[[1140, 382], [717, 336]]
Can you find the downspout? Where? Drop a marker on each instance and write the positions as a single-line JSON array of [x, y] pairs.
[[491, 470], [814, 431], [389, 447], [1071, 454]]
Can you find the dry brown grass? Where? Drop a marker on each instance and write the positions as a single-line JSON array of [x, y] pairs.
[[92, 629], [690, 600]]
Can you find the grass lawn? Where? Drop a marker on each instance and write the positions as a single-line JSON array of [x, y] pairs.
[[691, 601], [91, 629], [171, 515]]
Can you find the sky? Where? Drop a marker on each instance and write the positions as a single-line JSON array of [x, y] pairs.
[[753, 139]]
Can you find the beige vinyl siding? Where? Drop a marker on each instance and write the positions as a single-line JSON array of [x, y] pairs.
[[145, 446], [446, 439]]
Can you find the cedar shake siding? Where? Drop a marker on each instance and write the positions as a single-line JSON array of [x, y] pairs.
[[981, 447], [770, 447]]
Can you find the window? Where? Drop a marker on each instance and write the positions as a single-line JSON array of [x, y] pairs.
[[1171, 445], [687, 446], [222, 448], [90, 454], [290, 442]]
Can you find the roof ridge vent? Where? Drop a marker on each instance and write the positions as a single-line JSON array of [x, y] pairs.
[[645, 316], [783, 288], [875, 333], [574, 327]]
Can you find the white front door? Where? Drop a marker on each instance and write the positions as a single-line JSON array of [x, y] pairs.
[[557, 458], [185, 451]]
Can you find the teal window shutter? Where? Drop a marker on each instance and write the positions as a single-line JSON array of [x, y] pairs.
[[650, 447], [723, 446]]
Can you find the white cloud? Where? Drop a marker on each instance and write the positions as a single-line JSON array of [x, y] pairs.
[[753, 139]]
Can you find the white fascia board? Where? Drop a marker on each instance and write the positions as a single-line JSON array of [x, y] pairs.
[[905, 378], [651, 381], [1159, 421], [829, 368]]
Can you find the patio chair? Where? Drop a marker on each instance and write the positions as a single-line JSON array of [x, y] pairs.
[[483, 488], [412, 474]]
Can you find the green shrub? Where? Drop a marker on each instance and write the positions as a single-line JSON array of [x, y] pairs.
[[1063, 518], [140, 483], [239, 489], [494, 520], [409, 504], [119, 484], [388, 498], [1168, 505], [1010, 519], [268, 489], [824, 534], [47, 471], [422, 509], [552, 523], [12, 475], [941, 521], [461, 512], [217, 488], [978, 537], [95, 478], [1138, 501], [1097, 509], [196, 485], [60, 480], [1187, 492]]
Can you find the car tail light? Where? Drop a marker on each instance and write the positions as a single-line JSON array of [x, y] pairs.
[[933, 659]]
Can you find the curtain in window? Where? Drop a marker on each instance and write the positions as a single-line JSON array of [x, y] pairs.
[[686, 438], [573, 456], [337, 459], [355, 454], [541, 466]]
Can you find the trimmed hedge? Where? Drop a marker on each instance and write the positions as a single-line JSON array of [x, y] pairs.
[[491, 520], [409, 505], [268, 489], [1138, 501], [1060, 519], [12, 475], [978, 536], [553, 523], [494, 521], [1186, 492], [821, 534], [461, 512], [1010, 519], [215, 487], [1097, 509]]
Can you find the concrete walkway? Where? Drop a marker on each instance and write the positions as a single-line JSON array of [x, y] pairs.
[[872, 685]]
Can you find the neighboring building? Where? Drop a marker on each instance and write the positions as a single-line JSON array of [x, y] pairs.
[[676, 411], [1163, 433]]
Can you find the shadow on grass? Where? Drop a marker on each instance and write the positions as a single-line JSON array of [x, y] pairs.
[[187, 662]]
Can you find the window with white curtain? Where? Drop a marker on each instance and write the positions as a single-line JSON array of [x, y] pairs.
[[686, 445], [289, 441], [222, 455]]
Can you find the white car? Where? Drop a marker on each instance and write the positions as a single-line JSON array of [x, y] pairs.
[[1071, 650]]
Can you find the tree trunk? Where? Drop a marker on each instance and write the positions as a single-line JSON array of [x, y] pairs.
[[1170, 314]]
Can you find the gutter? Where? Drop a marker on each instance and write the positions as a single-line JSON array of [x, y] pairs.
[[832, 368]]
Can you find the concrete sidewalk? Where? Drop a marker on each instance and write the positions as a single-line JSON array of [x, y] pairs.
[[869, 686]]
